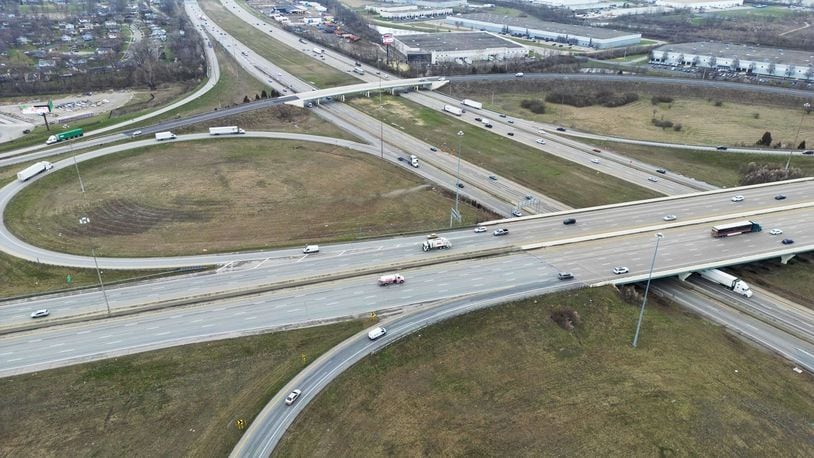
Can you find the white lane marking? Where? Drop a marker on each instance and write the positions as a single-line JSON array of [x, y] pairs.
[[131, 324], [67, 351], [152, 327], [163, 333], [105, 337], [197, 321], [293, 310], [261, 263], [34, 341], [250, 318], [7, 353], [298, 260], [12, 360], [57, 345], [83, 332], [208, 325], [113, 342]]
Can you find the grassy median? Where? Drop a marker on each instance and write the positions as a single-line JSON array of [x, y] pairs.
[[293, 61], [180, 401], [510, 382], [558, 178]]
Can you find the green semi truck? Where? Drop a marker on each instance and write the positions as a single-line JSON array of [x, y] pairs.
[[67, 135]]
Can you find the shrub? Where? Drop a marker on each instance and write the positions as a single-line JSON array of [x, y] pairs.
[[754, 173], [664, 124], [677, 127], [657, 99], [534, 106], [719, 103], [567, 318]]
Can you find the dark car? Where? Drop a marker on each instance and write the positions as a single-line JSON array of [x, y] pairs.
[[787, 241], [561, 129], [780, 197], [568, 221], [510, 134], [461, 185], [492, 177], [401, 159], [433, 149], [809, 152], [488, 126], [502, 115], [661, 171], [721, 148], [596, 150], [479, 119]]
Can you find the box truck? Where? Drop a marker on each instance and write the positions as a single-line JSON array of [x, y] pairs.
[[33, 170], [454, 110], [67, 135], [159, 136], [473, 104], [229, 130]]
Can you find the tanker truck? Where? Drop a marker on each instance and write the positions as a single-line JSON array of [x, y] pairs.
[[439, 243], [391, 279]]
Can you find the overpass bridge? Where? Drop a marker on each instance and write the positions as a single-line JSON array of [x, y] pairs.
[[431, 83]]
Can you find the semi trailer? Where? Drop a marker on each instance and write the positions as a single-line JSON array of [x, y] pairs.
[[731, 282]]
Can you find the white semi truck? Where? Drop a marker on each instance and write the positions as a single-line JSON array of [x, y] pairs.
[[229, 130], [731, 282], [33, 170], [391, 279], [159, 136], [472, 103], [414, 160], [439, 243], [454, 110]]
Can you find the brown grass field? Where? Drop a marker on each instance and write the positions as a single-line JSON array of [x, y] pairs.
[[510, 382], [226, 195], [180, 401], [735, 122]]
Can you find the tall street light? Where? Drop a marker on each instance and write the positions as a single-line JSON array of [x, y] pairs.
[[84, 221], [806, 109], [454, 214], [659, 236]]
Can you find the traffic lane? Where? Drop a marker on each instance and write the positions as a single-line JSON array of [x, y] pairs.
[[799, 323], [790, 347], [681, 246], [69, 344]]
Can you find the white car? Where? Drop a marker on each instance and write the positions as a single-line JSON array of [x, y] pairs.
[[653, 179], [480, 229], [292, 397], [620, 270], [775, 231], [670, 218], [517, 213], [737, 199], [40, 313], [540, 141], [595, 161]]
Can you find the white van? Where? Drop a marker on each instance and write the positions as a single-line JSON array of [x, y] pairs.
[[377, 332], [311, 249]]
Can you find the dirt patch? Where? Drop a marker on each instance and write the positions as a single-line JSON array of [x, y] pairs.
[[401, 192], [128, 217]]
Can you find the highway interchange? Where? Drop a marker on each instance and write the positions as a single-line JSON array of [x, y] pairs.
[[521, 264]]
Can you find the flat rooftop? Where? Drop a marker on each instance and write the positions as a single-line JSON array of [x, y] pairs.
[[451, 41], [536, 24], [743, 52]]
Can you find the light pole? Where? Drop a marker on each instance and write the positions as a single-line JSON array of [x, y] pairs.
[[84, 221], [806, 108], [456, 213], [659, 236]]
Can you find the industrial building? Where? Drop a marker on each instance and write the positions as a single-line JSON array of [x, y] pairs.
[[407, 12], [590, 37], [700, 5], [737, 58], [467, 47]]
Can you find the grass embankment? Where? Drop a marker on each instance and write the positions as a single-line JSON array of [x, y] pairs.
[[293, 61], [509, 382], [19, 277], [181, 401], [226, 195], [794, 280], [560, 179], [702, 122], [715, 167]]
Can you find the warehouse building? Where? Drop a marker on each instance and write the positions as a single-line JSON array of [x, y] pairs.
[[589, 37], [738, 58], [700, 5], [408, 12], [466, 47]]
